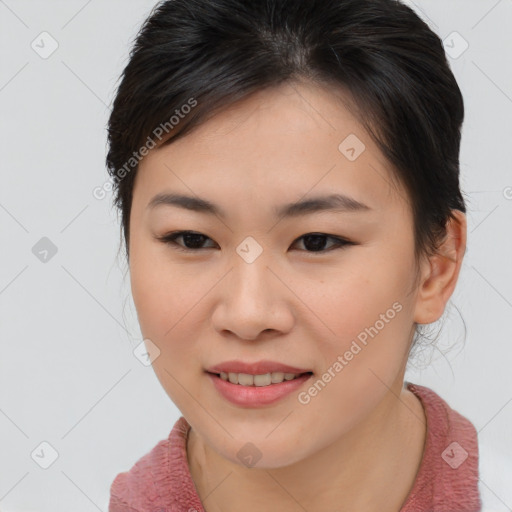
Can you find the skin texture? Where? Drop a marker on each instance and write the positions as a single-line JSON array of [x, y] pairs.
[[358, 443]]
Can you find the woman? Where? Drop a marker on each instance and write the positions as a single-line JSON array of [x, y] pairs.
[[288, 177]]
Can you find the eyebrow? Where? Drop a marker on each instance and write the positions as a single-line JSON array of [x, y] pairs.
[[332, 202]]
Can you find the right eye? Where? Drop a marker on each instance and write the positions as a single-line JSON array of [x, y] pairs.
[[189, 237]]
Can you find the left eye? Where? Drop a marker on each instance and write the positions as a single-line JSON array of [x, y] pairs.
[[316, 241]]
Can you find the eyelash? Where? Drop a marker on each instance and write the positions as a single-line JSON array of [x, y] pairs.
[[170, 239]]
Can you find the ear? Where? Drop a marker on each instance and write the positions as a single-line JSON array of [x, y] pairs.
[[441, 271]]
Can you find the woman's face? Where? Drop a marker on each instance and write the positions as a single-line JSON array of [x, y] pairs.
[[252, 287]]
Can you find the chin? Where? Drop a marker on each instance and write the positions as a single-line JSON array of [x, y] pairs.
[[263, 455]]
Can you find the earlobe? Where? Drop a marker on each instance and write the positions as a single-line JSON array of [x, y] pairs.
[[441, 271]]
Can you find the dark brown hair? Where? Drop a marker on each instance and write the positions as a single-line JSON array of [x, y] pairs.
[[215, 53]]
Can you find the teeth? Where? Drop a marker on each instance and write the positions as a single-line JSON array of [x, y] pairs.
[[245, 379]]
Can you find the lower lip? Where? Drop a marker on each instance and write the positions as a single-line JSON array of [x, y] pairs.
[[256, 396]]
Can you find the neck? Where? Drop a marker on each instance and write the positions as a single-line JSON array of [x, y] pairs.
[[372, 467]]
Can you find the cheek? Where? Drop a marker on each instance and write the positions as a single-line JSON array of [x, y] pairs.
[[162, 302], [359, 295], [165, 300], [157, 287], [168, 298], [366, 321], [362, 353]]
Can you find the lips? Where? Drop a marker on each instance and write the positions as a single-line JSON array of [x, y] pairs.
[[256, 368], [256, 396]]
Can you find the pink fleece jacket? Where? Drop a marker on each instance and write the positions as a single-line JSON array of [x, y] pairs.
[[447, 480]]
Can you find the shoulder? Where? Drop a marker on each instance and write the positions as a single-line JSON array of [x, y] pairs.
[[495, 482], [158, 478], [143, 484]]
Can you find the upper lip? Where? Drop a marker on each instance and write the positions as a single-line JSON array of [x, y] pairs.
[[256, 368]]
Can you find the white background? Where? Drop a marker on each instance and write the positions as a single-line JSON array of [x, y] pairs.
[[68, 328]]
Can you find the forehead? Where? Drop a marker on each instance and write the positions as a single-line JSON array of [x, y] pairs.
[[291, 140]]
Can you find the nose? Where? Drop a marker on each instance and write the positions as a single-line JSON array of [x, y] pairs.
[[253, 299]]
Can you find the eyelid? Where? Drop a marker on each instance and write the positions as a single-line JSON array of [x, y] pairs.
[[169, 239]]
